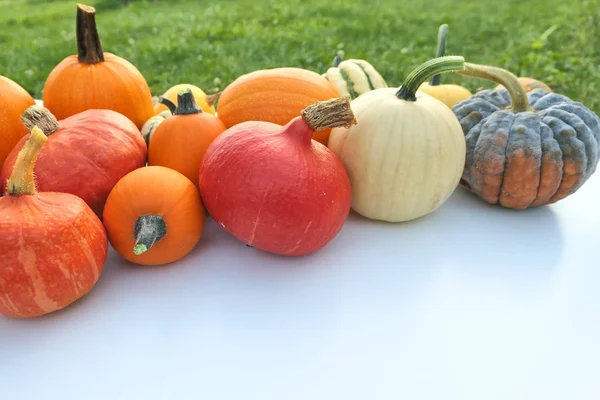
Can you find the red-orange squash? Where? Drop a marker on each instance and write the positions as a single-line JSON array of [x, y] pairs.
[[180, 141], [13, 101], [274, 95], [154, 216], [52, 247], [93, 79], [86, 154]]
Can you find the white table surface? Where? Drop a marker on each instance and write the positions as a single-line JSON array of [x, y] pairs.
[[471, 302]]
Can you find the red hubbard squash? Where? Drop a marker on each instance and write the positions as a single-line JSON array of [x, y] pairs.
[[13, 101], [52, 248], [276, 189], [154, 216], [94, 79], [179, 142], [274, 95], [86, 154]]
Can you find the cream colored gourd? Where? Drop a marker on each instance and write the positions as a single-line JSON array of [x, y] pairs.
[[354, 77], [406, 154]]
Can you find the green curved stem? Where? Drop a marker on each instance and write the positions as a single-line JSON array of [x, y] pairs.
[[432, 67], [170, 105], [441, 51], [518, 95]]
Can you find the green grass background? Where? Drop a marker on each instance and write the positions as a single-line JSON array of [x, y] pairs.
[[211, 43]]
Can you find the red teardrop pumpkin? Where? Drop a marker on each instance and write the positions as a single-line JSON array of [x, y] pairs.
[[52, 247], [86, 154], [94, 79], [13, 101]]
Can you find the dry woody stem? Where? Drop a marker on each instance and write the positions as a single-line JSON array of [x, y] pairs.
[[89, 47], [332, 113], [41, 117]]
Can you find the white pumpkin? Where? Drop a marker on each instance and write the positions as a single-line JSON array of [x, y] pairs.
[[406, 154], [354, 77]]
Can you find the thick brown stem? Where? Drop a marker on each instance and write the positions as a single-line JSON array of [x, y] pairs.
[[22, 181], [332, 113], [41, 117], [89, 47]]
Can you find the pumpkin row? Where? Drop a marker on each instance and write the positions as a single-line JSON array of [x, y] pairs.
[[278, 161]]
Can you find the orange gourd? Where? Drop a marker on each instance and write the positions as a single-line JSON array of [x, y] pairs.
[[274, 95], [14, 100], [94, 79], [154, 216], [180, 141], [52, 248]]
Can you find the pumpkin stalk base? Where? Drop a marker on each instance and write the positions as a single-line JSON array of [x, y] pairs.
[[42, 118], [148, 230], [22, 181], [518, 95], [186, 103], [332, 113]]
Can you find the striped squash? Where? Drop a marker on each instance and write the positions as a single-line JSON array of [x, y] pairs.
[[354, 77]]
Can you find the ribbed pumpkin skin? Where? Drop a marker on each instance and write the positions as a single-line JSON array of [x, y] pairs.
[[52, 252], [114, 84], [86, 156], [274, 95], [354, 78], [530, 158], [14, 100]]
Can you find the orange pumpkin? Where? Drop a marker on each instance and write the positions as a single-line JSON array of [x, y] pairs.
[[52, 248], [14, 100], [274, 95], [154, 216], [96, 80], [179, 142], [530, 84]]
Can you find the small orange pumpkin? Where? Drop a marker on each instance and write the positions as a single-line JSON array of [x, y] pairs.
[[530, 84], [153, 216], [14, 100], [94, 79], [180, 141], [274, 95]]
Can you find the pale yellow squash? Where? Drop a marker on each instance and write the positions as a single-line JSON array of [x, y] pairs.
[[406, 154]]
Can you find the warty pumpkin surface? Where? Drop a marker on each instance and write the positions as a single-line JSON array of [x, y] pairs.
[[14, 100], [525, 149], [274, 95]]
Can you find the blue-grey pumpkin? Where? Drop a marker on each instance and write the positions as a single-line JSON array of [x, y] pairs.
[[525, 149]]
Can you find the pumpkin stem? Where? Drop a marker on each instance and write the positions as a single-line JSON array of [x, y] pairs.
[[518, 95], [148, 230], [435, 66], [41, 117], [22, 181], [89, 47], [170, 105], [212, 99], [332, 113], [337, 61], [441, 51], [186, 103]]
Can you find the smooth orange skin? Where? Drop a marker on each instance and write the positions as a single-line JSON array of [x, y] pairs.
[[52, 252], [274, 95], [180, 142], [115, 84], [448, 94], [531, 84], [160, 191], [14, 100]]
